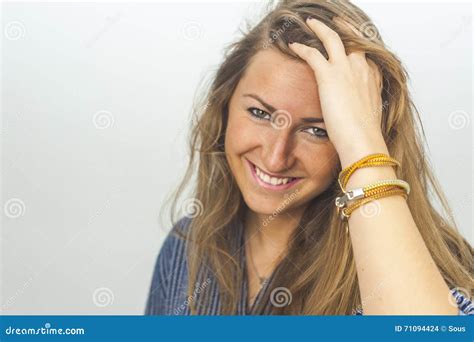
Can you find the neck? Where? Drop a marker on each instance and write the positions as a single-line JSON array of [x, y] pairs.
[[271, 233]]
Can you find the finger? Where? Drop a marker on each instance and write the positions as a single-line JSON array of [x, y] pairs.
[[312, 56], [358, 63], [347, 27], [330, 39], [358, 57], [366, 69], [377, 73]]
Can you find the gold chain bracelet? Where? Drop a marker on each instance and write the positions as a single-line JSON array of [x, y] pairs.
[[355, 198], [346, 212], [370, 189], [377, 159]]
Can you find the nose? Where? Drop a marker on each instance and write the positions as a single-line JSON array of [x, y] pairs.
[[278, 152]]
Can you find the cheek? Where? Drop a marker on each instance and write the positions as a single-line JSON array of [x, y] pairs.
[[241, 135], [321, 164]]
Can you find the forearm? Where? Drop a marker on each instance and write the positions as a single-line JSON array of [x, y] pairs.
[[395, 270]]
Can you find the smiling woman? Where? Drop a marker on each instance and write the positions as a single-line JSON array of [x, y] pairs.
[[273, 141], [280, 124]]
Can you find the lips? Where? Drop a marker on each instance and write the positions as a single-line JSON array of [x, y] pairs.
[[267, 181]]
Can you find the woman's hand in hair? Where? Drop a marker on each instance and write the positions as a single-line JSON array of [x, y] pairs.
[[349, 88]]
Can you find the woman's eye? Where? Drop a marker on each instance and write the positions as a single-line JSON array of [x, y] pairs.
[[316, 132], [259, 114]]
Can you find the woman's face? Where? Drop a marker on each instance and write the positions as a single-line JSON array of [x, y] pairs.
[[276, 143]]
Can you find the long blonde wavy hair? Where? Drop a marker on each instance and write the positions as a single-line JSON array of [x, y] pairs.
[[325, 282]]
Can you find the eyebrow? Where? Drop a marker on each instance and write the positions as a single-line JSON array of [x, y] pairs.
[[273, 109]]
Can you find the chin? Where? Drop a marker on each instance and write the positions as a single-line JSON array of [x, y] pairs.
[[262, 208], [264, 205]]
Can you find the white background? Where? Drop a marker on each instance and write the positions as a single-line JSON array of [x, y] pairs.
[[80, 226]]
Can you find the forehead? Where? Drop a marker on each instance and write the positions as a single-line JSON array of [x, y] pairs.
[[283, 82]]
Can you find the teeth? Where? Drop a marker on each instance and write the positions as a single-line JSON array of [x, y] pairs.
[[271, 180]]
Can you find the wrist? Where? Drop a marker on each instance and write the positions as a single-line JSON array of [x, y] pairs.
[[361, 147]]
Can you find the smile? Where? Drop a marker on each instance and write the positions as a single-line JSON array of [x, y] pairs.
[[271, 182]]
